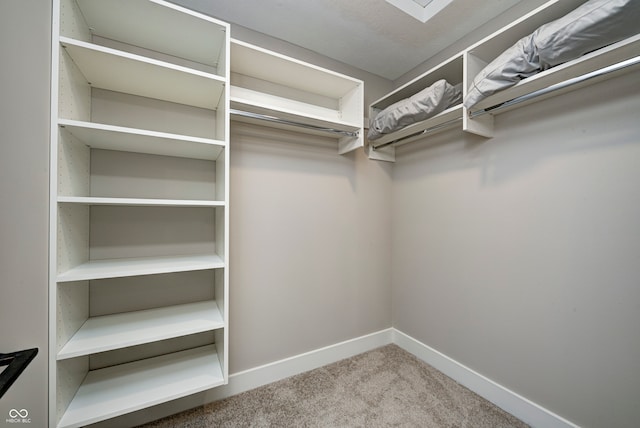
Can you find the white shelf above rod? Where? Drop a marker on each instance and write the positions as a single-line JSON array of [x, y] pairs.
[[275, 119], [560, 85]]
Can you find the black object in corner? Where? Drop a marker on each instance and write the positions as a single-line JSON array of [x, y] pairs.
[[16, 362]]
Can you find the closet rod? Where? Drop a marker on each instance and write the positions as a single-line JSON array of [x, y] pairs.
[[274, 119], [425, 131], [561, 85]]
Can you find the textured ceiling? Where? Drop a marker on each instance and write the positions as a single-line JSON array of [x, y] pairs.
[[372, 35]]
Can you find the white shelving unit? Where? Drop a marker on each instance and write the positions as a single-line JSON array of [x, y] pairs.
[[302, 96], [139, 202], [464, 66], [108, 332], [114, 391], [451, 71]]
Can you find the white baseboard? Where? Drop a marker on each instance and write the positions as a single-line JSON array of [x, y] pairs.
[[520, 407], [272, 372]]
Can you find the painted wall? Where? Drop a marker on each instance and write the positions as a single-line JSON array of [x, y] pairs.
[[518, 256], [25, 28], [310, 245]]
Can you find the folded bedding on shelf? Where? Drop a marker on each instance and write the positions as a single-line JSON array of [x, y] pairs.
[[421, 106], [591, 26]]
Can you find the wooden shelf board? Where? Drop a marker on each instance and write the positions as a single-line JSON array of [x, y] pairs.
[[144, 23], [116, 390], [139, 202], [117, 268], [121, 330], [114, 70], [110, 137]]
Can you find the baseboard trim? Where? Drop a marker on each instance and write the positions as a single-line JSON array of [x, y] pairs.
[[272, 372], [522, 408]]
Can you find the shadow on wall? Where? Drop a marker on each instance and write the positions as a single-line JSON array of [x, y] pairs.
[[581, 121], [291, 152]]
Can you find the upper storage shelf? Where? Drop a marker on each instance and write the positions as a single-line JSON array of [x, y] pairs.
[[383, 147], [110, 137], [291, 93], [590, 68], [561, 78], [599, 64], [120, 71], [147, 24]]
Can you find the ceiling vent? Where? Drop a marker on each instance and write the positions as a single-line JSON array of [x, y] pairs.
[[422, 10]]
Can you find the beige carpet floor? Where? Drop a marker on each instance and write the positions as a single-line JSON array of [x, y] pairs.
[[385, 387]]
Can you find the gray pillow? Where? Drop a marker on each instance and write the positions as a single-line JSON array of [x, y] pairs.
[[421, 106], [591, 26]]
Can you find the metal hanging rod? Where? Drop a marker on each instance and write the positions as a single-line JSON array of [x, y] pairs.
[[274, 119], [561, 85], [425, 131]]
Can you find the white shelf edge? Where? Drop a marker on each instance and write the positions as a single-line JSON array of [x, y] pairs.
[[138, 131], [592, 61], [138, 58], [112, 137], [440, 71], [118, 268], [92, 200], [329, 120], [115, 70], [117, 390], [128, 17], [337, 80], [449, 114], [109, 332]]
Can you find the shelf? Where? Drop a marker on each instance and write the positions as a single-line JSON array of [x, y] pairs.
[[110, 137], [617, 52], [384, 147], [144, 23], [268, 66], [117, 268], [493, 45], [139, 202], [450, 70], [440, 121], [117, 331], [304, 95], [114, 70], [290, 110], [116, 390], [604, 63], [139, 173]]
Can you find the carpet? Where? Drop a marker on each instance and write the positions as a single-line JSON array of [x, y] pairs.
[[385, 387]]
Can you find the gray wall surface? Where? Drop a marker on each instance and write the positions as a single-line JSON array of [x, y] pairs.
[[310, 245], [518, 256], [25, 34]]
